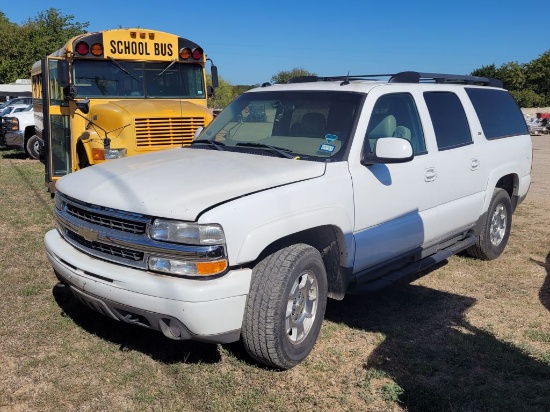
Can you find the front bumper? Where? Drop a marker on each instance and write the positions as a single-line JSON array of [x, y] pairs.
[[206, 310], [14, 139]]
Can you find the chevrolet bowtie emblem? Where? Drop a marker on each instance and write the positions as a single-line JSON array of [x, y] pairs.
[[88, 234]]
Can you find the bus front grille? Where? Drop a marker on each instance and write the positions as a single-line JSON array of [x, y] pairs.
[[166, 132]]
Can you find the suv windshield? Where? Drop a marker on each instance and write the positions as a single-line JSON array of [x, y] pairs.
[[309, 125]]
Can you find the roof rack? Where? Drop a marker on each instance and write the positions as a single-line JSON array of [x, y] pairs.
[[407, 77]]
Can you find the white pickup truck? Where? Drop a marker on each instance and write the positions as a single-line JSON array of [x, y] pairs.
[[18, 131], [295, 193]]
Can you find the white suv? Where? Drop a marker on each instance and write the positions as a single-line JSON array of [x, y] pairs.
[[295, 193]]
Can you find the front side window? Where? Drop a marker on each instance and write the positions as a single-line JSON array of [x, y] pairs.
[[299, 124], [395, 115], [449, 120], [123, 79], [56, 91], [498, 113]]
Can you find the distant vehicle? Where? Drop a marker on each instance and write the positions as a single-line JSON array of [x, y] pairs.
[[16, 100], [19, 133], [15, 108]]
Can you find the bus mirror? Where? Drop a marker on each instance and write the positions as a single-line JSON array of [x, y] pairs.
[[83, 106], [210, 91], [70, 92], [214, 72], [63, 73]]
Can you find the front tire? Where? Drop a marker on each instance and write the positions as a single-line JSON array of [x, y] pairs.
[[286, 306], [33, 147], [496, 230]]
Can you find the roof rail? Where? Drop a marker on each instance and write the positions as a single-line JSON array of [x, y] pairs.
[[418, 77], [407, 77]]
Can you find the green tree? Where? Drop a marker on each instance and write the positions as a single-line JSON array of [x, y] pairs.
[[285, 76], [37, 37], [538, 75], [487, 71], [529, 82]]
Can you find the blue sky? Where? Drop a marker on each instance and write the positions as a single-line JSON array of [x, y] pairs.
[[252, 40]]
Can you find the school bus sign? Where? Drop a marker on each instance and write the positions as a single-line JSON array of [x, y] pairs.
[[146, 45]]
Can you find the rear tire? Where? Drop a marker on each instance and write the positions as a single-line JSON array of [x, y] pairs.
[[496, 230], [286, 306], [33, 147]]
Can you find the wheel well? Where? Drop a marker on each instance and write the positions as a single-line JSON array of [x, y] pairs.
[[29, 132], [82, 155], [329, 241], [510, 184]]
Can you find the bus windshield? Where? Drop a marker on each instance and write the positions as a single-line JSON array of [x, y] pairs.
[[128, 79]]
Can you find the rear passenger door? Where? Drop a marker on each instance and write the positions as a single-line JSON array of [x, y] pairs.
[[462, 172]]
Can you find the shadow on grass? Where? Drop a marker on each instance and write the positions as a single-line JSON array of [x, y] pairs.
[[544, 294], [440, 360], [16, 155], [134, 338]]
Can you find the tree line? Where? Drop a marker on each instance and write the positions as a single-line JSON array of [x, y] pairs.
[[24, 44], [529, 82]]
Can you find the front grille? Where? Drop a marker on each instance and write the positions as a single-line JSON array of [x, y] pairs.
[[106, 249], [120, 236], [166, 131], [111, 222]]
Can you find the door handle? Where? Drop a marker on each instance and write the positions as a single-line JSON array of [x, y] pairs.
[[474, 164], [430, 174]]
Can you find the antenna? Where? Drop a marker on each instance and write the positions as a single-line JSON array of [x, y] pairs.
[[346, 80]]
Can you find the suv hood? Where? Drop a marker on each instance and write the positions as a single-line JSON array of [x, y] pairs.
[[181, 183]]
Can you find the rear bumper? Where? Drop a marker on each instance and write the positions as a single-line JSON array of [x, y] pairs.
[[205, 310]]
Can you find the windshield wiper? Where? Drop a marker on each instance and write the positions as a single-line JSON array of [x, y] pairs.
[[166, 68], [279, 150], [117, 64], [217, 145]]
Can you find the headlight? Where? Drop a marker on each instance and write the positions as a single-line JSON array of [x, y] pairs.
[[186, 233], [58, 201], [115, 153], [187, 268]]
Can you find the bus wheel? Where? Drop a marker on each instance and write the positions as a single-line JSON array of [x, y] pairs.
[[33, 147]]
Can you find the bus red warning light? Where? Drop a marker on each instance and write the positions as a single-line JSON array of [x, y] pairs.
[[82, 48]]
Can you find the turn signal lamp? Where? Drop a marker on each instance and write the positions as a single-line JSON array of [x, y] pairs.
[[185, 53], [97, 49]]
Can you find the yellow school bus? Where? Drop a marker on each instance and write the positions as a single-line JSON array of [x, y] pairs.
[[118, 93]]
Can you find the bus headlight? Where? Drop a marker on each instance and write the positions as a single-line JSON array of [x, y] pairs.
[[115, 153], [186, 233], [107, 154]]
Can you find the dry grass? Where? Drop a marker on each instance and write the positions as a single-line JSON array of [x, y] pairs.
[[469, 336]]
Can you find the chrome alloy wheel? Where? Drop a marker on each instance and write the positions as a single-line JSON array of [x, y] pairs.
[[497, 229], [301, 307]]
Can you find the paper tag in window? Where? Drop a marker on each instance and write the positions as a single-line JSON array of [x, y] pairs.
[[327, 148]]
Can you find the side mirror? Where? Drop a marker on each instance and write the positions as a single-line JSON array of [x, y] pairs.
[[63, 73], [210, 91], [215, 80], [388, 150], [70, 92], [83, 105]]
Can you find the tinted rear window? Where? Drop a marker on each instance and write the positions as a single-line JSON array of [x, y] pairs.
[[498, 113], [448, 119]]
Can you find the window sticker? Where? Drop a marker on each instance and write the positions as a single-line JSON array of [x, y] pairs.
[[327, 148], [330, 138]]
